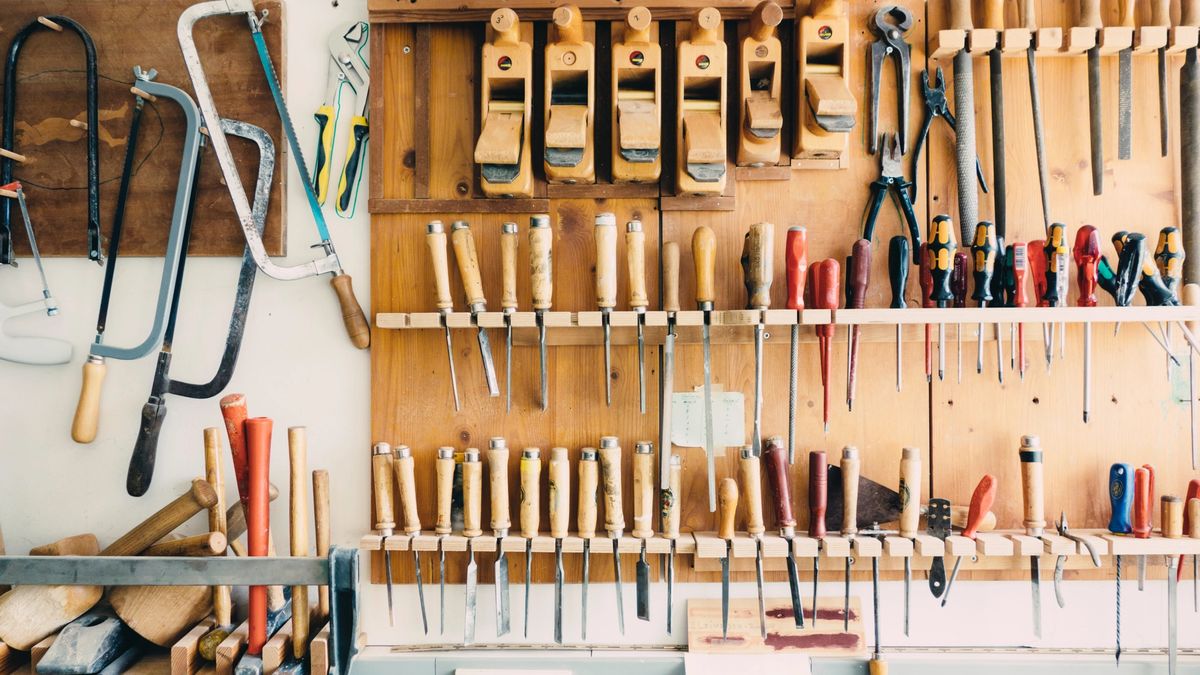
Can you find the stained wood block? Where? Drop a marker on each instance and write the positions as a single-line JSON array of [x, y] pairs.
[[829, 95], [185, 653], [704, 628], [703, 137]]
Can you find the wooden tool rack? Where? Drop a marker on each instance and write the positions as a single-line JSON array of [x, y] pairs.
[[425, 122]]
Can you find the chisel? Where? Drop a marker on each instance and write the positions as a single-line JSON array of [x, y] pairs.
[[983, 259], [941, 249], [508, 300], [779, 481], [530, 513], [728, 502], [560, 513], [1034, 515], [758, 255], [751, 470], [670, 295], [1028, 18], [435, 236], [635, 255], [385, 519], [1087, 259], [858, 276], [670, 523], [824, 295], [1126, 11], [1120, 496], [588, 481], [851, 468], [402, 466], [468, 270], [981, 504], [472, 473], [1142, 520], [796, 264], [614, 516], [444, 471], [704, 258], [541, 276], [497, 458], [899, 255], [818, 476], [964, 136], [1172, 528], [910, 511], [1089, 17], [643, 519], [606, 288]]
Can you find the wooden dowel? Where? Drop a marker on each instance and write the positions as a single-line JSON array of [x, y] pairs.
[[142, 93], [207, 544], [14, 156], [54, 26], [78, 124]]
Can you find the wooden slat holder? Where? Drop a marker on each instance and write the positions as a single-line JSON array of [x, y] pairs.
[[506, 94], [826, 109], [760, 119], [703, 66], [636, 99]]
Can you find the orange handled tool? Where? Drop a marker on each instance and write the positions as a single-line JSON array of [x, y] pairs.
[[981, 503], [258, 524], [825, 285], [233, 410], [796, 264]]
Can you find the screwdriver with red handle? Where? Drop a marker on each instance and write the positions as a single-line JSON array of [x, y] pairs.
[[796, 263], [1036, 250], [824, 283], [1142, 518], [1020, 269], [941, 249], [859, 274], [958, 287], [1087, 261], [981, 503], [926, 281]]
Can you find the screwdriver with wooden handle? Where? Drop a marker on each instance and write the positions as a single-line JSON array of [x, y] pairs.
[[981, 504], [1087, 260], [403, 467], [851, 469], [669, 507], [899, 255], [444, 470], [1035, 516], [818, 481], [385, 518], [614, 516], [728, 499], [530, 513], [796, 264], [541, 276], [606, 288], [910, 512], [758, 255], [258, 528], [704, 259], [941, 248], [508, 300], [435, 237], [472, 482], [858, 274], [586, 523], [635, 254], [751, 470], [497, 458], [560, 513], [643, 520], [670, 295], [468, 270]]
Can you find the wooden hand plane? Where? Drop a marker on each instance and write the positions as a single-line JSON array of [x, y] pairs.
[[825, 108], [700, 127], [506, 78], [636, 99], [761, 117], [570, 101]]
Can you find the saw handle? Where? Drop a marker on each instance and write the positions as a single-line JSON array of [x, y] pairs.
[[258, 448], [444, 470], [758, 254], [541, 265], [472, 493], [704, 259], [775, 457], [145, 447], [910, 492], [643, 491], [818, 484], [851, 469], [352, 315], [560, 493], [981, 504], [1031, 486], [298, 506], [588, 482], [751, 470], [87, 410], [497, 458], [727, 501], [795, 259], [467, 258], [635, 258], [606, 260], [508, 265], [670, 267], [530, 507]]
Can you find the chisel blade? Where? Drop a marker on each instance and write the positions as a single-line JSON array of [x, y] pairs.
[[725, 593], [387, 572], [1035, 584], [1164, 119], [607, 359], [907, 586], [558, 591], [503, 614], [441, 588], [641, 346], [1172, 614], [472, 591], [620, 591], [762, 604], [453, 376], [420, 590], [508, 363], [793, 367], [587, 559], [643, 586], [816, 578], [542, 360], [794, 589], [671, 585], [528, 578], [708, 420], [489, 368], [664, 408], [1095, 121], [756, 437], [1125, 103]]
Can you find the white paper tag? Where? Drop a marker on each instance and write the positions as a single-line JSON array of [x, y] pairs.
[[729, 420]]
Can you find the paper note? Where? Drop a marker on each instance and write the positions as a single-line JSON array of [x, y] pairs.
[[729, 419]]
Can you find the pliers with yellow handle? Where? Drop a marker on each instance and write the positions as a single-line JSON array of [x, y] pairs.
[[349, 79]]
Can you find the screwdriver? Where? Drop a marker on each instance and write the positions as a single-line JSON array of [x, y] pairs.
[[402, 465], [824, 285], [958, 287], [435, 237], [508, 300], [614, 516], [704, 259], [468, 270], [1008, 297], [635, 255], [497, 458], [541, 276], [983, 255], [751, 470], [669, 508], [818, 483], [796, 262], [588, 482], [728, 501], [941, 250], [981, 503], [926, 281], [758, 255], [1143, 498], [1020, 267], [1168, 257], [385, 518], [560, 513], [899, 255], [530, 513], [858, 274], [1056, 278], [1037, 254], [606, 288], [779, 480], [1087, 259], [851, 469], [1120, 495]]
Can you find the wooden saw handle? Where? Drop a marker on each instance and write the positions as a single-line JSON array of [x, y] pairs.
[[87, 410], [353, 318], [560, 493]]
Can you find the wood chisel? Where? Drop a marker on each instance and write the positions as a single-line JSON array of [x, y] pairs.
[[530, 513], [406, 486], [1127, 9], [385, 518], [669, 507], [818, 477], [751, 471], [851, 468], [910, 512], [472, 486], [728, 499], [541, 277], [468, 270], [643, 519], [670, 304], [497, 459], [606, 288], [795, 259], [298, 544], [508, 300], [435, 237], [964, 135], [981, 504], [938, 526], [560, 513], [1142, 519], [588, 481], [858, 277], [1089, 17], [779, 480], [899, 255], [1120, 496], [704, 258], [758, 255], [635, 255], [614, 516], [1034, 501], [444, 471], [1087, 258], [1027, 11], [1172, 528]]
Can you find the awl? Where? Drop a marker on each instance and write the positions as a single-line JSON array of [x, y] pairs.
[[402, 463], [541, 277], [704, 257], [606, 288], [635, 253]]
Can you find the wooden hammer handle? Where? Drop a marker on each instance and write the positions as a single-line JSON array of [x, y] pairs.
[[200, 496], [320, 484], [298, 464], [197, 545], [217, 523]]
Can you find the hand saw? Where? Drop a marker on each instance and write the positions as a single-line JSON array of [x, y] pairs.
[[83, 429], [352, 315], [154, 412], [8, 139], [349, 76], [31, 349]]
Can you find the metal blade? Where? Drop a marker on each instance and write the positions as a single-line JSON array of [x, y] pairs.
[[607, 360], [762, 604], [792, 375], [453, 376], [756, 438], [708, 420], [489, 368], [503, 615], [1141, 572], [441, 588], [472, 591], [1117, 569], [620, 591], [1164, 118], [641, 344], [1192, 406], [950, 583], [899, 360], [643, 586], [1035, 584], [907, 586], [999, 195], [1095, 121], [542, 357], [1125, 103], [725, 593], [670, 585], [1172, 614], [816, 577], [558, 591], [664, 409], [1058, 577], [794, 589], [387, 572], [507, 363], [587, 559], [528, 578], [845, 598], [420, 590]]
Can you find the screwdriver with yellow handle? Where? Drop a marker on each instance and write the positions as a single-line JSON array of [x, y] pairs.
[[941, 249]]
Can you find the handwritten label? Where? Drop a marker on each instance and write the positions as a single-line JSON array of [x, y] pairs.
[[729, 419]]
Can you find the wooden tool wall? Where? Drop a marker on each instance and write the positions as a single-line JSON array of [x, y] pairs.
[[424, 124]]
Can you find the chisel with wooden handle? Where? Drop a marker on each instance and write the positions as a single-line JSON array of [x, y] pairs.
[[614, 515], [727, 500], [222, 601], [468, 270], [444, 471], [851, 469], [606, 288], [670, 527], [530, 513], [778, 479], [435, 237], [818, 477], [589, 478], [635, 253], [497, 459], [298, 463], [751, 471], [384, 511], [560, 514], [406, 486], [758, 253], [704, 257], [643, 520], [508, 300], [910, 512], [472, 527], [670, 295], [1034, 515], [541, 278]]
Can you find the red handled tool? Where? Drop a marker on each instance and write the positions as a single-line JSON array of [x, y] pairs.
[[258, 449], [1142, 517], [1087, 260], [860, 275], [981, 503], [796, 263], [824, 295]]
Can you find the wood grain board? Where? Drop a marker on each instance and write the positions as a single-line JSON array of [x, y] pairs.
[[963, 430], [127, 34], [825, 639]]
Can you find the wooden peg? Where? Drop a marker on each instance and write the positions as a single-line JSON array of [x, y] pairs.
[[560, 493], [14, 156], [727, 501], [79, 124], [48, 23], [1172, 517]]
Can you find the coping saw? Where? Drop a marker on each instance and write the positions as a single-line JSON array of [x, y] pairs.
[[352, 314], [141, 464], [348, 70], [30, 349]]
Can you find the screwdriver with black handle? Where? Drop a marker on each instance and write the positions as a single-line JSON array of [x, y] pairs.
[[818, 495], [779, 482], [796, 262], [606, 288], [983, 257], [614, 516], [508, 300], [751, 470], [758, 255], [468, 270], [704, 259], [541, 276], [1168, 258], [899, 255], [635, 255], [941, 261], [1087, 258], [958, 287], [858, 274], [435, 237], [1056, 275]]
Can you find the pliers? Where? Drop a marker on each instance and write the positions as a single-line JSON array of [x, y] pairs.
[[891, 24], [936, 105], [349, 74], [1064, 531], [891, 176]]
